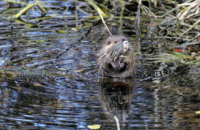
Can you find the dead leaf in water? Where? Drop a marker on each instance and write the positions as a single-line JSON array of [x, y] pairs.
[[78, 71], [37, 84], [94, 127], [74, 29], [197, 112], [62, 69]]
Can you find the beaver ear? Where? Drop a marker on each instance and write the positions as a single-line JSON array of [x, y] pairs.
[[108, 42]]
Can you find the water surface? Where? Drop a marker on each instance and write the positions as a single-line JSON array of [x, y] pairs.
[[78, 97]]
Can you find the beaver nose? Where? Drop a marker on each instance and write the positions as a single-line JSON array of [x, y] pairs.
[[113, 66], [125, 44], [117, 66]]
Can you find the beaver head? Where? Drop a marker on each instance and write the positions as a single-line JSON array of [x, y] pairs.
[[116, 58]]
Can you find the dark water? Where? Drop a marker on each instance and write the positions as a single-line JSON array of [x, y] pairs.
[[78, 98]]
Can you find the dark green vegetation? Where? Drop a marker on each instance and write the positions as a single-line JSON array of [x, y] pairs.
[[49, 76]]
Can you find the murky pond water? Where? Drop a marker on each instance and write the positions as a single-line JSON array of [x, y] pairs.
[[77, 97]]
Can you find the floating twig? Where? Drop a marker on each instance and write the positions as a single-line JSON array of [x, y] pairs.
[[117, 122]]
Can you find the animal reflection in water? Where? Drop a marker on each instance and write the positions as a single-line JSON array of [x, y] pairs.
[[115, 96]]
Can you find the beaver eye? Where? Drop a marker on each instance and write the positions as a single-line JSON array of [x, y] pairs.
[[115, 41], [108, 42], [124, 39]]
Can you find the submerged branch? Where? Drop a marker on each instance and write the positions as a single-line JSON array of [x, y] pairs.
[[27, 8]]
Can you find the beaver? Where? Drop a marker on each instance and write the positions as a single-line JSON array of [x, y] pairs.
[[116, 58]]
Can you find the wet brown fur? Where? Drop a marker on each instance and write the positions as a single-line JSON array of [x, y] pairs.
[[112, 51]]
